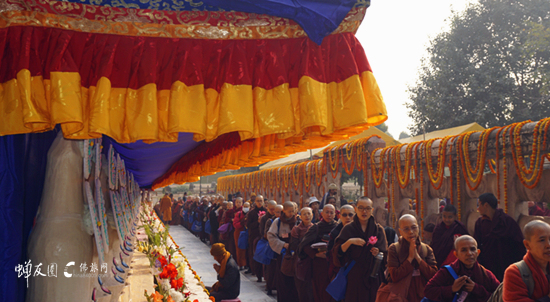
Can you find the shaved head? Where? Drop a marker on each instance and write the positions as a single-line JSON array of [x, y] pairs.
[[288, 204], [305, 209], [329, 207], [328, 213], [279, 207], [271, 203], [347, 207], [464, 238], [408, 228], [406, 217], [530, 228]]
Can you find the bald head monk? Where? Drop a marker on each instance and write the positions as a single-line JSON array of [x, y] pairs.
[[328, 213], [473, 279], [319, 233], [271, 204], [346, 216], [411, 258], [537, 243], [278, 210]]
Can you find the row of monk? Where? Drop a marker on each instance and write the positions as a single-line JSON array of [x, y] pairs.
[[407, 269]]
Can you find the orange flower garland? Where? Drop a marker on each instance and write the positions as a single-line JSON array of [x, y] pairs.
[[505, 169], [377, 174], [307, 180], [436, 178], [404, 178], [474, 174], [334, 161], [349, 169], [536, 161]]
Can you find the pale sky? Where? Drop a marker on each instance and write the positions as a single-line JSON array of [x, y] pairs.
[[395, 34]]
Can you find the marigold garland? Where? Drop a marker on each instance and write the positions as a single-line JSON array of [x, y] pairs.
[[377, 174], [436, 178], [492, 163], [307, 176], [536, 161], [319, 167], [404, 178], [475, 175], [505, 168], [295, 178], [388, 182], [334, 161], [451, 180], [349, 169]]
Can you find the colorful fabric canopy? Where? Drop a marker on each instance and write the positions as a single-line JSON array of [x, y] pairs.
[[251, 87]]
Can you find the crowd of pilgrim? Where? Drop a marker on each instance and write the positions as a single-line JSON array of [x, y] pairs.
[[312, 245]]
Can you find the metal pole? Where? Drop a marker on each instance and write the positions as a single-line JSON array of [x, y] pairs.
[[200, 186]]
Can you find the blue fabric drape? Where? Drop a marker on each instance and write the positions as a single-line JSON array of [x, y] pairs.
[[22, 171], [150, 161], [318, 18]]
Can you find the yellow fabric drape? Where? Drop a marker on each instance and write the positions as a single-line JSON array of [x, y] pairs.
[[31, 104]]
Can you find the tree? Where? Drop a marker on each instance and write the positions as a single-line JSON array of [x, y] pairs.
[[481, 69], [403, 135]]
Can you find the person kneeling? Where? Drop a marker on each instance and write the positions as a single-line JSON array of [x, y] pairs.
[[474, 282], [229, 279]]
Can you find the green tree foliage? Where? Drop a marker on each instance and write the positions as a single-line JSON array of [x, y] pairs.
[[487, 68]]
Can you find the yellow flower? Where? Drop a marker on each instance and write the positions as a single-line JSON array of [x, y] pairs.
[[181, 270]]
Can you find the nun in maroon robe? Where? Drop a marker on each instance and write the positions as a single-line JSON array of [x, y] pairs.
[[498, 236], [361, 287], [319, 232]]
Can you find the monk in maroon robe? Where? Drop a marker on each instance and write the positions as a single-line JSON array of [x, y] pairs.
[[478, 282], [278, 236], [498, 236], [445, 234], [176, 209], [353, 244], [317, 233], [229, 237], [269, 270], [305, 289], [253, 226]]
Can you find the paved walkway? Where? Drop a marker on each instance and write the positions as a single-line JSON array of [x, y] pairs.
[[201, 261]]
